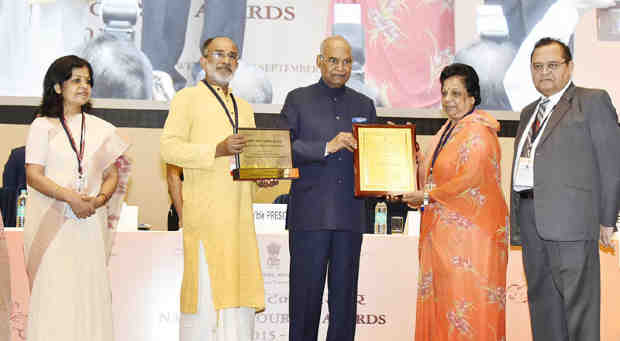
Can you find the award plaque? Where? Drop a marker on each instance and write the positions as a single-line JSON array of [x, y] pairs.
[[266, 155], [384, 159]]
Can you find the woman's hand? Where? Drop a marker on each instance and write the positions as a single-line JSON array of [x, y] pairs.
[[83, 206], [412, 199]]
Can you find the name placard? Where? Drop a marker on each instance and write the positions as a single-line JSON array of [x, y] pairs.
[[269, 218]]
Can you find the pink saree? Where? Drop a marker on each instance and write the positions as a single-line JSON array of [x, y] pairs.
[[66, 258]]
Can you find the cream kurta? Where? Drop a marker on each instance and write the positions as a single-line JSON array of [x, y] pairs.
[[216, 209]]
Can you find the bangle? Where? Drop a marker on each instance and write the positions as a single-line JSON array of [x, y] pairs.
[[54, 196], [105, 197]]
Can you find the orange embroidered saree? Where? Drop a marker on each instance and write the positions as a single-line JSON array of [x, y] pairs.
[[463, 248]]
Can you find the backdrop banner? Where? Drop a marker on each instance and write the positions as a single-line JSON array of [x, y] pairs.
[[149, 49]]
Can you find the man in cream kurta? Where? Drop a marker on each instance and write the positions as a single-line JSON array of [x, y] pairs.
[[222, 282]]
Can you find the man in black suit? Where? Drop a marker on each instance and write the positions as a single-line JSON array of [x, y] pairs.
[[565, 196], [14, 174], [324, 219], [13, 181]]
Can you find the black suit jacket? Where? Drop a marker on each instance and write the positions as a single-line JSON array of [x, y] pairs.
[[576, 168], [14, 174], [13, 180], [322, 198]]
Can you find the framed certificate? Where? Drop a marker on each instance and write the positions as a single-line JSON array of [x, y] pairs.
[[384, 159], [266, 155]]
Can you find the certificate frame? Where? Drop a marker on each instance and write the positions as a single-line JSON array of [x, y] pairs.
[[267, 155], [388, 167]]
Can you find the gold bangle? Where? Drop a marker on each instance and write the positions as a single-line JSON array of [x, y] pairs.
[[105, 197], [54, 196]]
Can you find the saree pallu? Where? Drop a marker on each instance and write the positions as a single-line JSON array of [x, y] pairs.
[[66, 259], [463, 242]]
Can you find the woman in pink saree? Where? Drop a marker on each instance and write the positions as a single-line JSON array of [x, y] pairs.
[[77, 177]]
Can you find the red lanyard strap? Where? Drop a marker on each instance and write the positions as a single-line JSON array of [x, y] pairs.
[[79, 155]]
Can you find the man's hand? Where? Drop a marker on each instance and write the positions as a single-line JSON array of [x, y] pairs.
[[267, 182], [340, 141], [231, 145], [606, 235]]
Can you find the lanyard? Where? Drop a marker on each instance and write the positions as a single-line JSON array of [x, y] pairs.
[[443, 140], [235, 123], [79, 155]]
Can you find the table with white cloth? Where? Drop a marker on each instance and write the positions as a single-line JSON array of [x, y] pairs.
[[146, 269]]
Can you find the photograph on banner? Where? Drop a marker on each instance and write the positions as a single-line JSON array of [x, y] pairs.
[[505, 34], [149, 49]]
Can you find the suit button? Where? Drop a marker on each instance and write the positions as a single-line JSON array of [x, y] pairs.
[[340, 158], [338, 117], [335, 99], [339, 181]]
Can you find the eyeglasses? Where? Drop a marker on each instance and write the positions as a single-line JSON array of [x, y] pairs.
[[219, 55], [333, 61], [551, 66]]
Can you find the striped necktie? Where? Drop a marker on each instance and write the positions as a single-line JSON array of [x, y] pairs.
[[533, 131]]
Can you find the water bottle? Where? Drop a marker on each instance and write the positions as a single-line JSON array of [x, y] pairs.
[[21, 209], [381, 218]]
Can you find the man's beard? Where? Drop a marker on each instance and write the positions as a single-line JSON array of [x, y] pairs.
[[217, 77]]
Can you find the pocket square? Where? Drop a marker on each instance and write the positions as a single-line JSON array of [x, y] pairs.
[[359, 119]]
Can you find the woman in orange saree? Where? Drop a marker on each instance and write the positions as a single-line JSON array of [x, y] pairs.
[[77, 177], [463, 248]]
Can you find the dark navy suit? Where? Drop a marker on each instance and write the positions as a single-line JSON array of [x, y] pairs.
[[14, 174], [13, 180], [325, 221]]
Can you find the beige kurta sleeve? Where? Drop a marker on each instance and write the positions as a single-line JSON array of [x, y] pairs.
[[176, 147]]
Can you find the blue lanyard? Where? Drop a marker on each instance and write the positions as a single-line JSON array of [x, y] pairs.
[[235, 123], [444, 139]]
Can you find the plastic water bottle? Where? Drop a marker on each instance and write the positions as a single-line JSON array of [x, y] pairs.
[[381, 218], [21, 208]]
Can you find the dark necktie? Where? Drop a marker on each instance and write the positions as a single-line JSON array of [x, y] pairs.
[[540, 114], [533, 131]]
